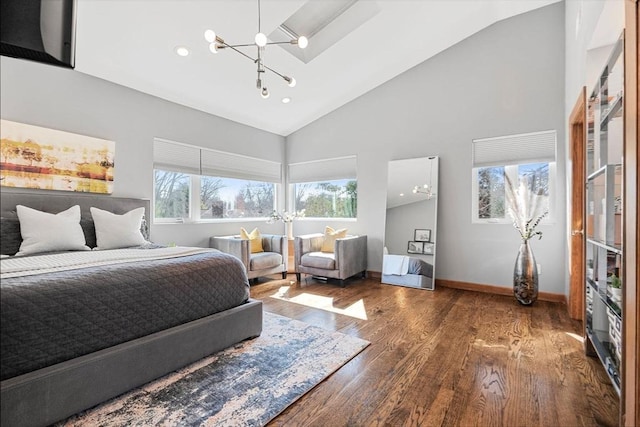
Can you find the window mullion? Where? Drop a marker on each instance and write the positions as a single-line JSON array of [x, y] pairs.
[[194, 198]]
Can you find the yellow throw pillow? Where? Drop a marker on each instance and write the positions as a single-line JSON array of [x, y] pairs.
[[255, 239], [330, 236]]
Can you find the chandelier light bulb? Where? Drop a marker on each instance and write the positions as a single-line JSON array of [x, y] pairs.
[[182, 51], [265, 93], [213, 47], [290, 81], [303, 42], [210, 36], [261, 40]]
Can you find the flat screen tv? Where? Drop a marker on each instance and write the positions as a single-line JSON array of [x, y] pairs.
[[38, 30]]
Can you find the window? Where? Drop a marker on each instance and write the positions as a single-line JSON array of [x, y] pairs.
[[329, 199], [325, 188], [195, 184], [526, 157]]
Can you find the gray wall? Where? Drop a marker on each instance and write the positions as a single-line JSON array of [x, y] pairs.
[[506, 79], [68, 100]]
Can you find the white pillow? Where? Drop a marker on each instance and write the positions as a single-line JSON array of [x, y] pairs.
[[47, 232], [118, 231]]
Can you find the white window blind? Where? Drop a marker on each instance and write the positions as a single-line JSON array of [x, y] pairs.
[[323, 170], [536, 147], [177, 157]]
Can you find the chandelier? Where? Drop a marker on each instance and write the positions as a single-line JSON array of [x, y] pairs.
[[426, 188], [216, 43]]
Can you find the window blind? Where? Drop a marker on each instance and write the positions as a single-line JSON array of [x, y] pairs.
[[515, 149], [178, 157], [323, 170]]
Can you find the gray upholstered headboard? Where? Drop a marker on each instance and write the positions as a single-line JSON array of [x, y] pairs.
[[10, 237]]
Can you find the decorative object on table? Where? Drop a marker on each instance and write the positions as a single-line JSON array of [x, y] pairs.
[[422, 235], [287, 360], [427, 249], [525, 206], [216, 43], [287, 218], [49, 159], [415, 247]]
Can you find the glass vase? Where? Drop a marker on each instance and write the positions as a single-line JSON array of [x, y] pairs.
[[525, 276]]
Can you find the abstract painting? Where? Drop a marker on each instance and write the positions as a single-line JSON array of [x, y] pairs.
[[48, 159]]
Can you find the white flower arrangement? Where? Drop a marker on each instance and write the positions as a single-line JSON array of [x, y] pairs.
[[285, 216], [526, 208]]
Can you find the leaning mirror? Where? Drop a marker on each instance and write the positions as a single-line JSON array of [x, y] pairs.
[[410, 236]]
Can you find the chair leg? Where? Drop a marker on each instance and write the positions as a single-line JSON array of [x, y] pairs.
[[297, 277], [342, 283], [364, 274], [284, 274]]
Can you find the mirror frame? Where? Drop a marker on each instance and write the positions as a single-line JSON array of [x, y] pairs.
[[414, 178]]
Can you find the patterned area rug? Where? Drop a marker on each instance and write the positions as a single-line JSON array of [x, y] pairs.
[[245, 385]]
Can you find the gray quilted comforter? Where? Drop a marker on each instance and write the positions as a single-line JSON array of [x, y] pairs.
[[50, 318]]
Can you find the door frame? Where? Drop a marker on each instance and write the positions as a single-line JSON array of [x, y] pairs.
[[578, 144], [631, 226]]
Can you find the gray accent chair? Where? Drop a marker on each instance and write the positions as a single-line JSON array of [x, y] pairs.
[[348, 259], [272, 261]]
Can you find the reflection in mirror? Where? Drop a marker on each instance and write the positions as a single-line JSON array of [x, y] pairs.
[[410, 230]]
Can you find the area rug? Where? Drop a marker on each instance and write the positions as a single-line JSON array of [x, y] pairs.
[[245, 385]]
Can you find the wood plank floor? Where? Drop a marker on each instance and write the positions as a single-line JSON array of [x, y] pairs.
[[444, 358]]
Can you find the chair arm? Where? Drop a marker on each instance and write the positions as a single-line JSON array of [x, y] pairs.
[[305, 244], [275, 243], [233, 246], [351, 255]]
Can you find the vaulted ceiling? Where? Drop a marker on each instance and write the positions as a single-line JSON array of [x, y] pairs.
[[134, 42]]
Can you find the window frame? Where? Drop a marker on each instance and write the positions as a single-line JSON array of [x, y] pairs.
[[293, 208], [194, 204], [511, 170]]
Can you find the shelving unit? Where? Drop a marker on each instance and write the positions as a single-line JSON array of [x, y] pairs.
[[604, 201]]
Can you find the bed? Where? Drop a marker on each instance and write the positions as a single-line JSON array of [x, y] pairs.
[[75, 335], [407, 271]]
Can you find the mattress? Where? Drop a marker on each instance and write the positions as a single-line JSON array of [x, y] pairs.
[[51, 317]]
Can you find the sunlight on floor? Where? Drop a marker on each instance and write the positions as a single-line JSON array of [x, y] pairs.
[[356, 309]]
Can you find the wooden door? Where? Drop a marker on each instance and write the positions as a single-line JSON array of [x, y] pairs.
[[577, 141]]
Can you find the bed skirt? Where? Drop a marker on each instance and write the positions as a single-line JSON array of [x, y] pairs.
[[56, 392], [411, 280]]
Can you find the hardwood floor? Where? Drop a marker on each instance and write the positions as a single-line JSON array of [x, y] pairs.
[[448, 357]]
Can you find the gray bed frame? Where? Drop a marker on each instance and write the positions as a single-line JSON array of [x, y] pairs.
[[56, 392]]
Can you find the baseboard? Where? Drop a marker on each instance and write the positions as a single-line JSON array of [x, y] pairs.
[[374, 274], [498, 290], [477, 287]]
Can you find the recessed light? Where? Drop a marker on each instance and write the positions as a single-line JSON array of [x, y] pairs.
[[401, 194], [182, 51], [286, 100]]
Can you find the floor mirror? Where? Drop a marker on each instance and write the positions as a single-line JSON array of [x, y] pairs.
[[410, 237]]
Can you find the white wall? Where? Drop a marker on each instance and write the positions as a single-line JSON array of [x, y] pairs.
[[506, 79], [68, 100]]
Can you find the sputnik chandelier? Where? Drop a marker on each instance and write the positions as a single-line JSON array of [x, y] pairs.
[[426, 188], [216, 43]]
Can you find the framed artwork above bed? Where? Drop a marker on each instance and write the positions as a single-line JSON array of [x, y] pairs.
[[415, 247], [427, 249], [422, 235], [49, 159]]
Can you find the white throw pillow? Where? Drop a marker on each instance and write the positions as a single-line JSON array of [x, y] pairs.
[[47, 232], [118, 231]]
